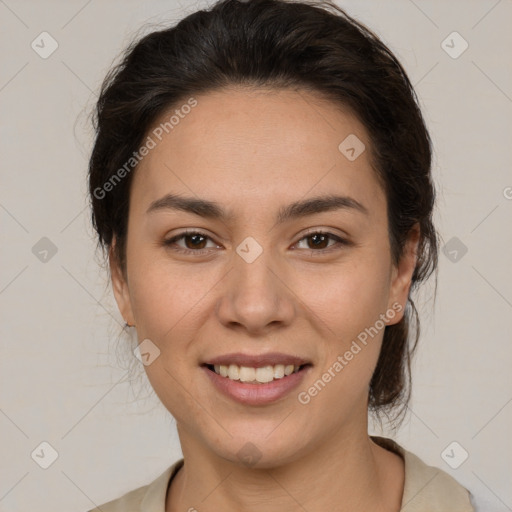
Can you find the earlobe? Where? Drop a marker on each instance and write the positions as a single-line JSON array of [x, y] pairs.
[[402, 273], [120, 287]]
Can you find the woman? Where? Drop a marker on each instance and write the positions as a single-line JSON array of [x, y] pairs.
[[261, 181]]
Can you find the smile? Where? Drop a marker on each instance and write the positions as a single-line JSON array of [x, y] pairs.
[[254, 375]]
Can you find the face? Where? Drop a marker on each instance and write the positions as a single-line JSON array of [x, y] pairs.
[[265, 278]]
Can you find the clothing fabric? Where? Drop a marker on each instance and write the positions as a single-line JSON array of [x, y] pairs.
[[426, 488]]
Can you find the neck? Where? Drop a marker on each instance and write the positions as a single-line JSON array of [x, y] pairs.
[[346, 473]]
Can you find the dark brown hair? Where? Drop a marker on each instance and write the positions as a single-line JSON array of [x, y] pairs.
[[309, 46]]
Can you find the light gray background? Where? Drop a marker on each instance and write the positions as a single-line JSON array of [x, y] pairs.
[[61, 381]]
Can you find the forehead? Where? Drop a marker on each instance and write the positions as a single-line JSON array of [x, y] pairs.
[[246, 145]]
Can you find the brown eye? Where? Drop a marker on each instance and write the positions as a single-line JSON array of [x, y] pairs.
[[196, 241], [193, 243], [319, 241]]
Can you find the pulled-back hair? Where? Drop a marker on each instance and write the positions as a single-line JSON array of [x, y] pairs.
[[308, 46]]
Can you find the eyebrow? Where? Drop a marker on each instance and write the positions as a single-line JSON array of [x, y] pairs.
[[213, 210]]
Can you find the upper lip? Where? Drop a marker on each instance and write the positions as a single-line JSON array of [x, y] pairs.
[[256, 361]]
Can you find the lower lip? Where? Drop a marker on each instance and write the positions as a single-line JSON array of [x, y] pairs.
[[256, 394]]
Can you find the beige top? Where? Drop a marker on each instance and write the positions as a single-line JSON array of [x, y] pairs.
[[426, 488]]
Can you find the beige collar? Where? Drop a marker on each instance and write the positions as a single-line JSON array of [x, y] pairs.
[[426, 488]]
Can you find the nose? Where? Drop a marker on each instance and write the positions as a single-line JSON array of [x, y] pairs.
[[256, 295]]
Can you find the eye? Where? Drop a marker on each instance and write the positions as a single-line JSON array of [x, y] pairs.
[[320, 240], [194, 242]]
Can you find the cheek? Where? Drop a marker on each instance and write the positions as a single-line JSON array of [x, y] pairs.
[[165, 296], [349, 351], [167, 307], [348, 298], [347, 303], [171, 303]]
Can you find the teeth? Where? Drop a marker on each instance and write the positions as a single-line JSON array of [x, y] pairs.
[[278, 371], [233, 372], [247, 374], [265, 374], [254, 375], [288, 369]]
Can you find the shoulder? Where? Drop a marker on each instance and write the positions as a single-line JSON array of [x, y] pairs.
[[150, 497], [428, 488], [127, 503]]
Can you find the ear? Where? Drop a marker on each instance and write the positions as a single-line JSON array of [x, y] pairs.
[[120, 287], [401, 275]]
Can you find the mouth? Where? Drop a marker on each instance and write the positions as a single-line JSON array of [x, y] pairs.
[[256, 380], [256, 375]]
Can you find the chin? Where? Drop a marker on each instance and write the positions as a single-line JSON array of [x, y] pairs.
[[260, 450]]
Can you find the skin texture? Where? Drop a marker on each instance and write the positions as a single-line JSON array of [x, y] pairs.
[[254, 151]]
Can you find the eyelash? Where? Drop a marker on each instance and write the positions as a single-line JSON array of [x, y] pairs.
[[169, 242]]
